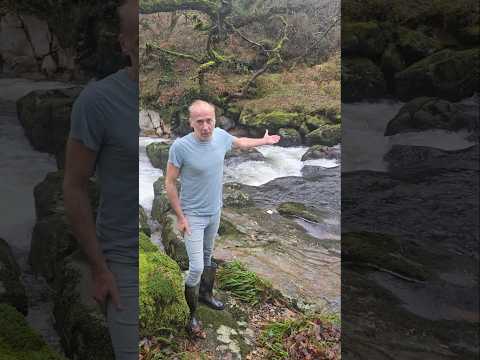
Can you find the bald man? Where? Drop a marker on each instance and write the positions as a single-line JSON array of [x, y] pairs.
[[198, 159], [104, 139]]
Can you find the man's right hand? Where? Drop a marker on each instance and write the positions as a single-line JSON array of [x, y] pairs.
[[104, 286], [183, 226]]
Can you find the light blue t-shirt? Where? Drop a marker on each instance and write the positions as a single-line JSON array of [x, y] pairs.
[[201, 171], [105, 119]]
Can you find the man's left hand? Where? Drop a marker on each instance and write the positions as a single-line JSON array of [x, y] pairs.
[[270, 139]]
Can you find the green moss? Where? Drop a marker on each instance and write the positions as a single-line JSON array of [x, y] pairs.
[[157, 153], [143, 221], [314, 122], [298, 210], [20, 342], [242, 283], [273, 120], [383, 251], [145, 244], [327, 135], [162, 303]]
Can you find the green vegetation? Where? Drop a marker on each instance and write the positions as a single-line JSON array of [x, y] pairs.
[[242, 283], [317, 335], [20, 342]]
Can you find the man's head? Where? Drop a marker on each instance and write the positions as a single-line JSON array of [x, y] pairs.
[[128, 36], [202, 119]]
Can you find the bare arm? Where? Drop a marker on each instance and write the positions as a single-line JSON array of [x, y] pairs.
[[172, 195], [79, 167], [245, 143]]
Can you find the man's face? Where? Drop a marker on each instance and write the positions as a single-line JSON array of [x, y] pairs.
[[202, 120]]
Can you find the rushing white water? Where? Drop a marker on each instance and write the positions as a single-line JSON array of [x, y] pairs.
[[364, 144], [147, 174], [279, 162]]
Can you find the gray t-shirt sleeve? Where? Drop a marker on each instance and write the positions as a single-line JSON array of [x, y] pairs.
[[175, 155], [87, 125], [227, 139]]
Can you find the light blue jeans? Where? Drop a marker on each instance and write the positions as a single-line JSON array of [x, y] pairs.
[[123, 324], [200, 244]]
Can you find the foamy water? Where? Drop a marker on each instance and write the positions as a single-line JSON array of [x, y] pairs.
[[364, 143]]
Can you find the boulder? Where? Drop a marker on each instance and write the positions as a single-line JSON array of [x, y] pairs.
[[45, 117], [173, 242], [161, 303], [414, 45], [448, 74], [225, 123], [250, 154], [321, 152], [361, 79], [80, 320], [12, 290], [234, 197], [313, 122], [273, 121], [363, 39], [392, 61], [150, 123], [143, 221], [427, 113], [469, 35], [157, 153], [328, 135], [161, 204], [293, 209], [289, 137], [18, 341]]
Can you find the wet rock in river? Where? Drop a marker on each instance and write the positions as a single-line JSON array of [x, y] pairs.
[[157, 153], [173, 242], [12, 290], [321, 152]]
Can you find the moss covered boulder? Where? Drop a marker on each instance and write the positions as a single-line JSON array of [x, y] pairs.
[[161, 204], [173, 242], [313, 122], [157, 153], [18, 341], [321, 152], [273, 121], [45, 117], [469, 35], [363, 39], [427, 113], [12, 290], [361, 79], [162, 303], [80, 321], [289, 137], [145, 244], [448, 74], [143, 221], [293, 209], [414, 45], [384, 252], [234, 197], [327, 135]]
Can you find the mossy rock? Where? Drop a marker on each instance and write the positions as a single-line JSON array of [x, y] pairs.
[[392, 61], [469, 35], [272, 121], [12, 290], [427, 113], [414, 45], [143, 221], [228, 230], [448, 74], [161, 205], [293, 209], [289, 137], [45, 117], [314, 122], [321, 152], [383, 251], [18, 341], [361, 79], [162, 302], [52, 242], [157, 153], [173, 242], [145, 244], [327, 135], [80, 321], [363, 39], [234, 197]]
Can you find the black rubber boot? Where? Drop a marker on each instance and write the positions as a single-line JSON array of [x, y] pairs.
[[206, 288], [191, 296]]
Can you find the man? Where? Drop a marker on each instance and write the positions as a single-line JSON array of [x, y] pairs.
[[198, 159], [104, 135]]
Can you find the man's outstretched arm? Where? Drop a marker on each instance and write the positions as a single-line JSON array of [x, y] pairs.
[[245, 143], [79, 167]]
